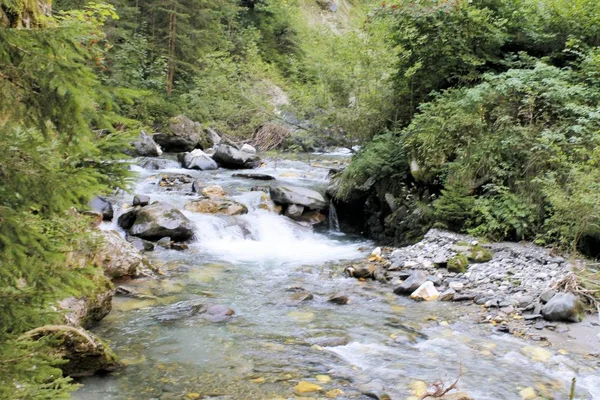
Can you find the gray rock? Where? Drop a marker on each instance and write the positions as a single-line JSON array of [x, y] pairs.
[[286, 194], [229, 157], [563, 307], [447, 295], [547, 295], [338, 298], [116, 256], [102, 205], [159, 220], [197, 159], [140, 244], [178, 311], [246, 148], [127, 217], [145, 146], [141, 200], [436, 280], [165, 242], [412, 283], [183, 135], [457, 286], [329, 341], [219, 313], [294, 211]]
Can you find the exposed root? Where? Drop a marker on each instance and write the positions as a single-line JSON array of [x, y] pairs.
[[59, 329], [270, 136], [438, 388]]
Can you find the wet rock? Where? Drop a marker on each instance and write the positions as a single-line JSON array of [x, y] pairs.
[[219, 313], [411, 284], [145, 146], [563, 307], [102, 205], [141, 200], [338, 298], [463, 297], [425, 292], [197, 159], [116, 256], [215, 206], [287, 195], [258, 177], [179, 246], [159, 220], [229, 157], [311, 218], [213, 191], [294, 211], [171, 182], [165, 242], [85, 354], [361, 271], [183, 135], [140, 244], [197, 187], [179, 311], [127, 217], [299, 297], [329, 341], [447, 295], [248, 149]]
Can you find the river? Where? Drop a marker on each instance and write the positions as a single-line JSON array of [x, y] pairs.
[[254, 264]]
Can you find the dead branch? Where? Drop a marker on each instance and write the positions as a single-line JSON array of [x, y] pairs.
[[438, 388], [270, 136]]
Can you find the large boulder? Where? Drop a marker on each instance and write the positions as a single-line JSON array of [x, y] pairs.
[[84, 353], [116, 256], [197, 159], [563, 307], [230, 157], [216, 206], [286, 194], [145, 146], [183, 135], [159, 220]]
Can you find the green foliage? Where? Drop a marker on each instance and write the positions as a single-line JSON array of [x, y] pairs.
[[458, 263], [58, 146], [454, 207], [381, 161]]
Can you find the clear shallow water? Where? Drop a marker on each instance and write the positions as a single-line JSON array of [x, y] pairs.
[[249, 263]]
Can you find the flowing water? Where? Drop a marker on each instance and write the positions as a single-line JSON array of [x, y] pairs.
[[253, 263]]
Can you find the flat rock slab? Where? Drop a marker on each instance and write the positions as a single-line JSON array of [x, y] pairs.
[[258, 177]]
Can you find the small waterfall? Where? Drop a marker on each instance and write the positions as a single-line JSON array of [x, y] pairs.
[[334, 223]]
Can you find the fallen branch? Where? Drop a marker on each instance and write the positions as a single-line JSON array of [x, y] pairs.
[[438, 388]]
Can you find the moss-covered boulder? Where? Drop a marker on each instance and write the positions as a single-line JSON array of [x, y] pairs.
[[480, 254], [85, 354], [458, 263]]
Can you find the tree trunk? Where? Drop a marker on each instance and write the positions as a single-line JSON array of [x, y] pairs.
[[171, 65]]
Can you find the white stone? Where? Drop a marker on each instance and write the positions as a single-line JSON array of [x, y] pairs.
[[246, 148], [376, 252], [425, 292], [458, 286]]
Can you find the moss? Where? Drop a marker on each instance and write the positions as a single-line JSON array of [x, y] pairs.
[[480, 254], [458, 263]]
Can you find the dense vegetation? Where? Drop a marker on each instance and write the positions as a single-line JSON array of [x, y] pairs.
[[480, 116], [498, 123]]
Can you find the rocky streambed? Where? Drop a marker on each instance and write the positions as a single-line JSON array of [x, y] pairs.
[[252, 296]]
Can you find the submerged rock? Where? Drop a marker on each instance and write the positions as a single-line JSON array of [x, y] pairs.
[[338, 298], [361, 271], [258, 177], [563, 307], [230, 157], [159, 220], [219, 313], [288, 195], [179, 311]]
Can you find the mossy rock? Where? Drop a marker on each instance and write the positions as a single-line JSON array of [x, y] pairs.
[[480, 254], [458, 263]]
